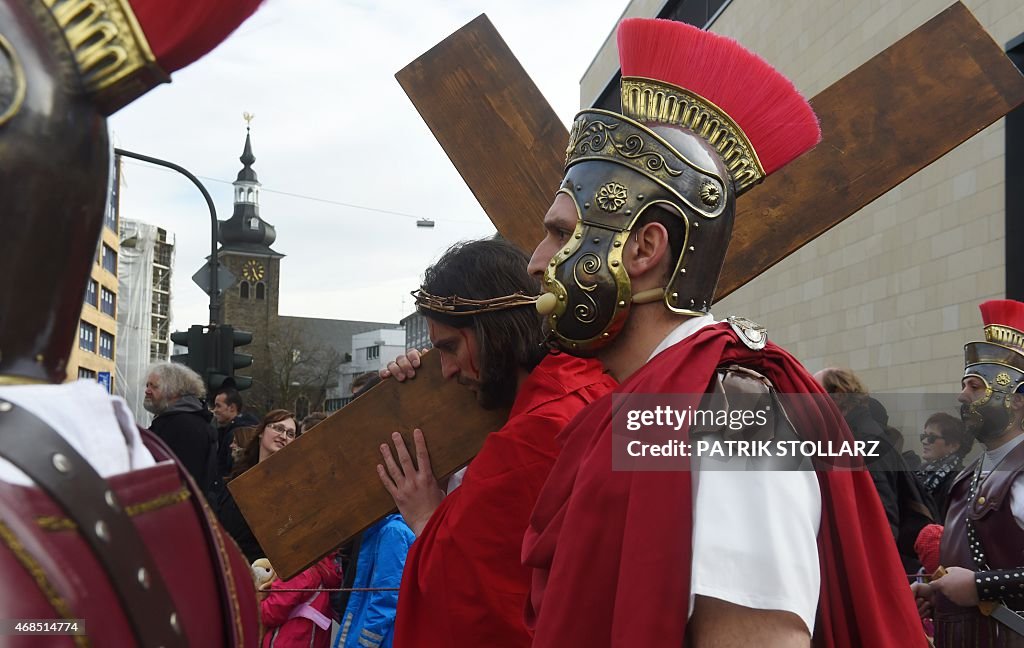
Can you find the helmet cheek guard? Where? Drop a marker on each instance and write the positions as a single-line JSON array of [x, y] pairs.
[[1001, 369], [617, 171]]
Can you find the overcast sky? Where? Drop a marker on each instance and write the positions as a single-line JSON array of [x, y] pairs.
[[332, 123]]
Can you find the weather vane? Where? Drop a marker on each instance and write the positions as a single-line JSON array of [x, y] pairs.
[[248, 117]]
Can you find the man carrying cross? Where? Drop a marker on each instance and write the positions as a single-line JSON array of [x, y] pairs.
[[464, 583], [635, 242]]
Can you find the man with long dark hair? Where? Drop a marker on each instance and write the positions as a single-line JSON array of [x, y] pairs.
[[464, 584]]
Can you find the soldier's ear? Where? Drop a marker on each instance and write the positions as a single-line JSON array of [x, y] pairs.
[[646, 251]]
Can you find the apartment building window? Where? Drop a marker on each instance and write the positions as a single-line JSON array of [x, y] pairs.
[[109, 259], [111, 219], [91, 291], [86, 374], [372, 353], [108, 302], [106, 345], [86, 336]]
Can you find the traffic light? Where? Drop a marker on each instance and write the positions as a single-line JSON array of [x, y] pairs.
[[197, 358], [211, 354], [226, 339]]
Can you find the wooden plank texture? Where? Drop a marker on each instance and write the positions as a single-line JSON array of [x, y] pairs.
[[881, 124], [318, 491], [494, 124], [894, 115]]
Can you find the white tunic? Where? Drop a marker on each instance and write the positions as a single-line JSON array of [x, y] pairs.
[[754, 533], [97, 425]]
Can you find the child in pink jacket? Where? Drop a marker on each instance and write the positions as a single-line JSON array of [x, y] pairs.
[[294, 619]]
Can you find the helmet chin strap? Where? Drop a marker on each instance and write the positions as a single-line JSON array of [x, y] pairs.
[[648, 296]]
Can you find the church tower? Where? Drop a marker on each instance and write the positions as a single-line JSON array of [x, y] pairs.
[[251, 303]]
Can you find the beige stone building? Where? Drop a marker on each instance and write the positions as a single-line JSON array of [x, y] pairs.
[[892, 292]]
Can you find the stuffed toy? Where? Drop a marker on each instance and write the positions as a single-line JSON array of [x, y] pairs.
[[263, 574]]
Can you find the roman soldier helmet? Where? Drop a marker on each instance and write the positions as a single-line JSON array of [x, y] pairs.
[[65, 65], [998, 362], [703, 121]]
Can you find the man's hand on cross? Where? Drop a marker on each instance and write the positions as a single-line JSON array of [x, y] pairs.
[[415, 491], [404, 366]]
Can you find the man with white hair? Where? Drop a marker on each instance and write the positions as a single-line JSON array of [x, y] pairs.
[[174, 394]]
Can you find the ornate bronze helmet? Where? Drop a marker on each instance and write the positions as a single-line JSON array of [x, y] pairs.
[[64, 66], [704, 120], [999, 363]]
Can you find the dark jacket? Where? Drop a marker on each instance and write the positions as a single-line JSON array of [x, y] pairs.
[[234, 523], [186, 428], [908, 507], [225, 435]]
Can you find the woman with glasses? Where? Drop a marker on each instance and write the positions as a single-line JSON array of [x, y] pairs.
[[944, 444], [277, 429]]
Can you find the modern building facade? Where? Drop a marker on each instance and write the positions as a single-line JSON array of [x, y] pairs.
[[93, 356], [893, 291]]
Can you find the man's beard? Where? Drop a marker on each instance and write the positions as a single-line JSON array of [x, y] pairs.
[[986, 423], [497, 393], [154, 406]]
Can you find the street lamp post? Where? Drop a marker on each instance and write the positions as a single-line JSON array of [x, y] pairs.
[[213, 263]]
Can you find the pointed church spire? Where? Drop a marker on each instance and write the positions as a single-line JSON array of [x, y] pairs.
[[245, 230], [247, 174]]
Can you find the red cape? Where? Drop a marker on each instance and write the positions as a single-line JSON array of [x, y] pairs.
[[464, 584], [610, 548]]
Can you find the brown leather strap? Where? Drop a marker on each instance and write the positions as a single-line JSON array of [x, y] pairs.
[[57, 469], [234, 630]]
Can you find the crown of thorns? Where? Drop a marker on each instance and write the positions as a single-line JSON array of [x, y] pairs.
[[456, 305]]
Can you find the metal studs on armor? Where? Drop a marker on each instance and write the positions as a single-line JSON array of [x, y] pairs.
[[111, 500], [102, 531], [174, 623], [5, 406], [615, 264], [596, 240], [143, 577], [586, 205], [579, 187], [639, 197], [61, 463], [622, 304]]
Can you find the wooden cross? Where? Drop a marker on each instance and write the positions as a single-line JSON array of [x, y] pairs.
[[888, 119]]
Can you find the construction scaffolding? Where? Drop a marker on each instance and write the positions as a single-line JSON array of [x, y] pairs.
[[144, 316]]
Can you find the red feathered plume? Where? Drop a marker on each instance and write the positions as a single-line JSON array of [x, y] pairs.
[[179, 33], [1007, 312], [775, 117]]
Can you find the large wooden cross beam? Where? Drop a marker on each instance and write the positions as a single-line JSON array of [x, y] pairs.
[[882, 123]]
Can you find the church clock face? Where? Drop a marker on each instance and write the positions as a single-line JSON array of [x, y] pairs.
[[252, 270]]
